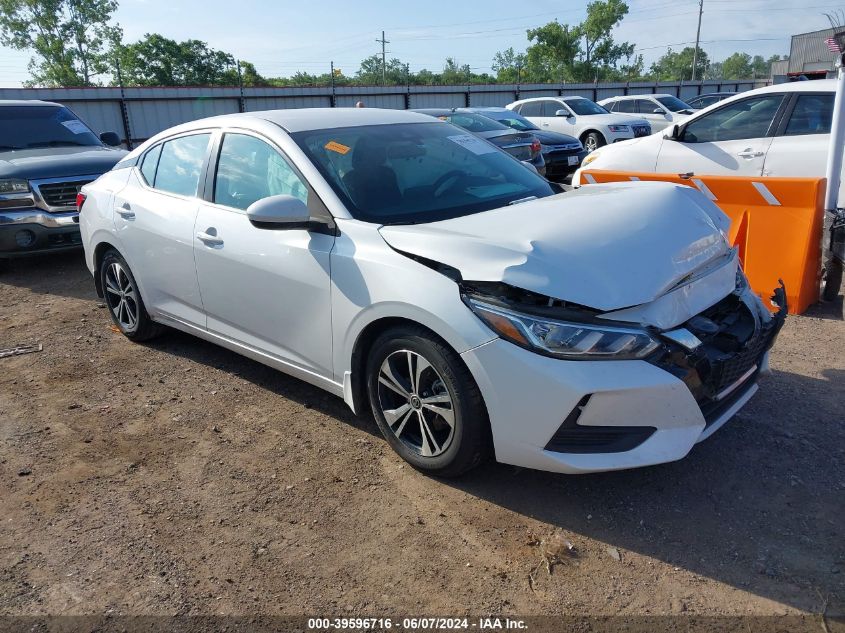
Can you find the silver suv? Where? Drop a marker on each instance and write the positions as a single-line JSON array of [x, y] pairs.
[[46, 155]]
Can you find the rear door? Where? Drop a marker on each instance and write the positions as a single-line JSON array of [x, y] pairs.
[[154, 218], [800, 146], [730, 140], [265, 288]]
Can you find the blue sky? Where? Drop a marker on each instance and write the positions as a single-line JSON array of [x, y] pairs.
[[281, 37]]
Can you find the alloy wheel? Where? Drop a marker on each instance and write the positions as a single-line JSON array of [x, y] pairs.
[[416, 403], [121, 296], [590, 144]]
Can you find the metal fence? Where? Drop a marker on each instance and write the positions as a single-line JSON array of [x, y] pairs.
[[136, 114]]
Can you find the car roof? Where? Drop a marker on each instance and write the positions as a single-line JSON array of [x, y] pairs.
[[642, 96], [434, 111], [813, 85], [306, 119], [27, 102]]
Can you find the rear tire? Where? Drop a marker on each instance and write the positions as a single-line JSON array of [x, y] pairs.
[[593, 141], [426, 403], [833, 280], [123, 299]]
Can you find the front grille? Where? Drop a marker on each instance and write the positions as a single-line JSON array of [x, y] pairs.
[[733, 342], [642, 130], [61, 194], [573, 148]]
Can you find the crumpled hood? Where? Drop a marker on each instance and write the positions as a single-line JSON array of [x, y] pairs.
[[58, 162], [604, 246]]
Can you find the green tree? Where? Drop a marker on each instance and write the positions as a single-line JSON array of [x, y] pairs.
[[156, 60], [585, 52], [71, 39], [250, 76], [675, 66], [737, 66], [601, 54], [370, 71], [509, 66]]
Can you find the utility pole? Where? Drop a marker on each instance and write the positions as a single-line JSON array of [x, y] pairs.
[[383, 59], [697, 38], [333, 97]]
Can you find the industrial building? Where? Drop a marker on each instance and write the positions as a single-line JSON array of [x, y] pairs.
[[809, 56]]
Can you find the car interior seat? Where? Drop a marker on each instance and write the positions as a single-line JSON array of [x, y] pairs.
[[371, 183]]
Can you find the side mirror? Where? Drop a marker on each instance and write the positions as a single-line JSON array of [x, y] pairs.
[[279, 212], [110, 138], [659, 111], [674, 133], [562, 112]]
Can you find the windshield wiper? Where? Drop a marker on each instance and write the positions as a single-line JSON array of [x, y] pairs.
[[521, 200]]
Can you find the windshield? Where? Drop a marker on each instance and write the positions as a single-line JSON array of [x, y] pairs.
[[674, 104], [417, 172], [584, 106], [512, 120], [23, 127]]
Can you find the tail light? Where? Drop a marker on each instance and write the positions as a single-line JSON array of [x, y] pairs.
[[80, 200], [535, 147]]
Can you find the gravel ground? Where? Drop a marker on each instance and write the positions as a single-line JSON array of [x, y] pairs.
[[180, 478]]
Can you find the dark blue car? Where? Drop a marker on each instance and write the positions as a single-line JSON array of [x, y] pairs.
[[561, 153]]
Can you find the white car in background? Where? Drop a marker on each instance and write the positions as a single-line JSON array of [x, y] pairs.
[[579, 117], [660, 110], [780, 130], [426, 276]]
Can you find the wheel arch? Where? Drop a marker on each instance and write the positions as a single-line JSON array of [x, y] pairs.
[[356, 392], [99, 252], [590, 130]]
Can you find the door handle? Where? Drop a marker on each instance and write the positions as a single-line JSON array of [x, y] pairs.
[[125, 211], [545, 125], [749, 153], [209, 240]]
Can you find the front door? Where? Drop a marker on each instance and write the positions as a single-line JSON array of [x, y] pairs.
[[264, 288], [731, 140], [154, 217]]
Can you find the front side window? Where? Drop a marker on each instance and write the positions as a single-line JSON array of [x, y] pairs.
[[812, 115], [250, 169], [23, 127], [417, 172], [645, 106], [749, 118], [180, 164]]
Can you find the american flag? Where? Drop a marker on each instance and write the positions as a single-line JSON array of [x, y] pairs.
[[832, 45]]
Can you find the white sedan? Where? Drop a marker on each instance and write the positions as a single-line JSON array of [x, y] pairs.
[[660, 110], [579, 117], [780, 130], [427, 277]]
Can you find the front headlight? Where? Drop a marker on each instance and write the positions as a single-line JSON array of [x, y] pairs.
[[13, 185], [618, 128], [569, 340]]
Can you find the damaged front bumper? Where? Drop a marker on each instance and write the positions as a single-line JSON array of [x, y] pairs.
[[588, 416]]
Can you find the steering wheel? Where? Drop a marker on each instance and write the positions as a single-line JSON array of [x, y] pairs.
[[446, 181]]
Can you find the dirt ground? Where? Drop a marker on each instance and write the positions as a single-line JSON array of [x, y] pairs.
[[180, 478]]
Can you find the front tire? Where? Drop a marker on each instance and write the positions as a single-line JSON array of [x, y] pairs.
[[426, 403], [593, 141], [123, 299], [833, 280]]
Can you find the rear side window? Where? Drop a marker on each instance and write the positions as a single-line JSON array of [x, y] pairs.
[[250, 169], [749, 118], [180, 164], [148, 167], [812, 115], [532, 108], [626, 106]]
